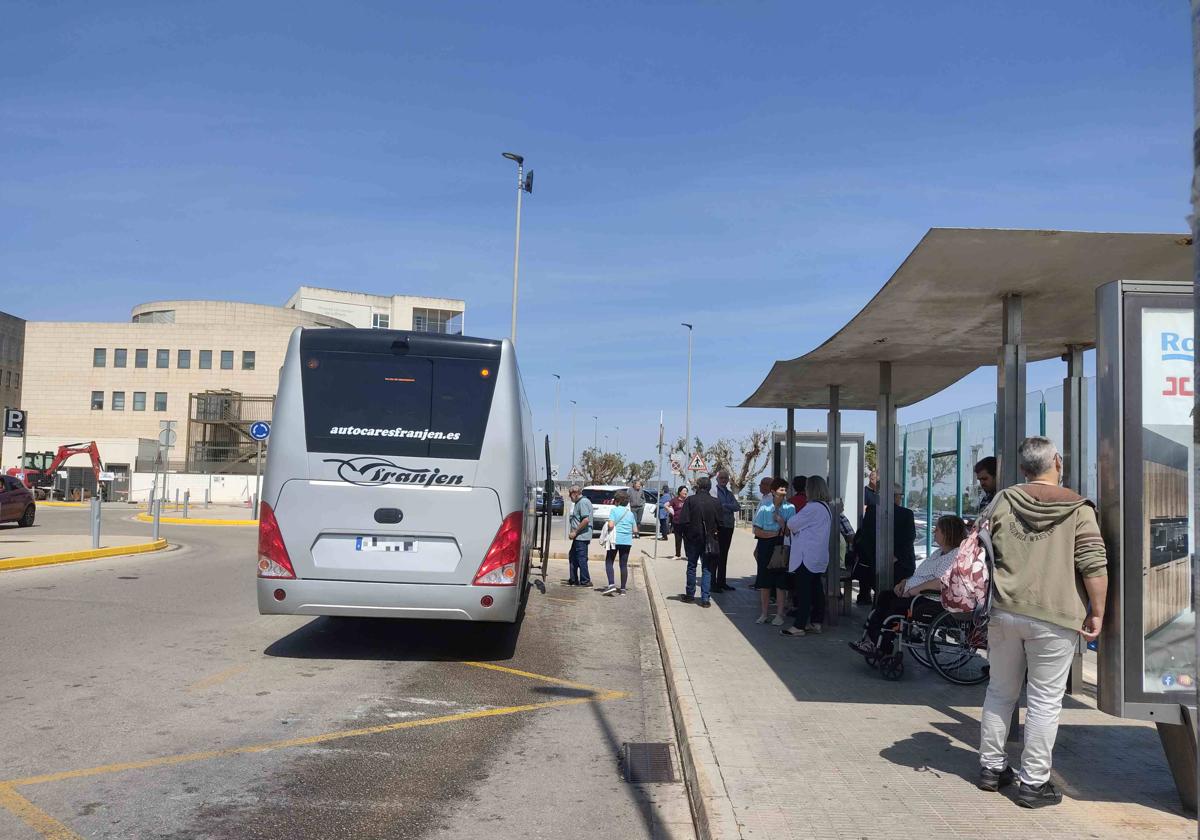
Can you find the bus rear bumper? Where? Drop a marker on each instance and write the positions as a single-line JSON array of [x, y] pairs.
[[388, 600]]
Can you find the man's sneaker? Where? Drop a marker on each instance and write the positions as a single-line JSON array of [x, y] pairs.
[[706, 603], [687, 599], [993, 780], [621, 591], [725, 587], [1029, 796], [610, 590], [813, 628]]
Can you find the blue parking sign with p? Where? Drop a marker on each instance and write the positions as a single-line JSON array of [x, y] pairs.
[[14, 422]]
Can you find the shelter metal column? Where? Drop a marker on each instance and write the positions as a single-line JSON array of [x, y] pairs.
[[789, 442], [1074, 421], [885, 515], [833, 574], [1075, 463], [1010, 394]]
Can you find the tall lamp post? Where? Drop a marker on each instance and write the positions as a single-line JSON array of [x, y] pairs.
[[557, 388], [524, 185], [574, 406], [596, 433], [618, 446], [687, 417]]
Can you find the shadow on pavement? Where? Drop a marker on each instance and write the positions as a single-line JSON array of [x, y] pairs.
[[645, 806], [1092, 761], [397, 640]]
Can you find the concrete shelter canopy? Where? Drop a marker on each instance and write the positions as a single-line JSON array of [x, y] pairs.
[[939, 316]]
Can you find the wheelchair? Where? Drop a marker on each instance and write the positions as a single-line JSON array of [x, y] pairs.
[[952, 644]]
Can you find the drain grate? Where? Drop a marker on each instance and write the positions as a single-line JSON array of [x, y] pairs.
[[647, 762]]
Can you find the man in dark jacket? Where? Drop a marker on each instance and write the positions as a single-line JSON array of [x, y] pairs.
[[904, 536], [700, 520]]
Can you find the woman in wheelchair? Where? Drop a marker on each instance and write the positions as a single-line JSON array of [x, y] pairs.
[[949, 535]]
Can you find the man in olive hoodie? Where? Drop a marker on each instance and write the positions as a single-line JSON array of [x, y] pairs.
[[1051, 580]]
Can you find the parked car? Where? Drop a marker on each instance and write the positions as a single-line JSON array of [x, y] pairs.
[[601, 496], [16, 502], [556, 504]]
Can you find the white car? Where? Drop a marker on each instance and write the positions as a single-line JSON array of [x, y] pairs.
[[601, 497]]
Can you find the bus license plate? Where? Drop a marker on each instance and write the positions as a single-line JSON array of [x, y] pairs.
[[384, 544]]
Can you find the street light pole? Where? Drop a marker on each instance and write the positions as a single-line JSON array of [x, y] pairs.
[[574, 406], [687, 417], [618, 446], [557, 389], [523, 185], [596, 433]]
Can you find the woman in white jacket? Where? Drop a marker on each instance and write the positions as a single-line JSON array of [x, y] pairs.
[[810, 529]]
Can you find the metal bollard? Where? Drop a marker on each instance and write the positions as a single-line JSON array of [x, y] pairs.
[[254, 506], [187, 495], [156, 512], [95, 522], [176, 498], [150, 502], [207, 493]]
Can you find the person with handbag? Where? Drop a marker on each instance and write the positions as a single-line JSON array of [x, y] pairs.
[[700, 523], [617, 537], [809, 557], [771, 554], [676, 507]]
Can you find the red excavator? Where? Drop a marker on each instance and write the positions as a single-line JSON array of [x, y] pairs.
[[38, 469]]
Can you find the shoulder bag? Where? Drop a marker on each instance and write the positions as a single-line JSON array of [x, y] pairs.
[[782, 555]]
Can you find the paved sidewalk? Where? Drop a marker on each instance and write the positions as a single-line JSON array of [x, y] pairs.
[[798, 738]]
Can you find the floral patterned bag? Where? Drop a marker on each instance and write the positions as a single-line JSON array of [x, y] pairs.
[[967, 584]]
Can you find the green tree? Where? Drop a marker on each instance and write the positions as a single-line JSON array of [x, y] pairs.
[[871, 454]]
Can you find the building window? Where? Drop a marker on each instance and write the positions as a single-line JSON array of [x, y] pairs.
[[120, 355], [8, 379], [226, 360], [139, 400], [141, 358], [97, 400], [437, 321], [380, 322], [185, 359], [16, 380], [118, 401], [205, 359], [162, 358], [99, 357], [160, 400], [247, 360]]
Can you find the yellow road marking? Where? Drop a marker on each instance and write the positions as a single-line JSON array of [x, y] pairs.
[[186, 758], [601, 693], [52, 829], [176, 520], [33, 816], [219, 677]]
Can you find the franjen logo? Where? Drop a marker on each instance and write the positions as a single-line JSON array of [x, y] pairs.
[[369, 472]]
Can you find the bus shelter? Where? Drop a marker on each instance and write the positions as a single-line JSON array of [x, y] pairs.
[[970, 298]]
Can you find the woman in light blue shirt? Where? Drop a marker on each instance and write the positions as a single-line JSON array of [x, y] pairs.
[[621, 520]]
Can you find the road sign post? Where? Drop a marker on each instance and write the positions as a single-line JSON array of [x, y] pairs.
[[259, 431]]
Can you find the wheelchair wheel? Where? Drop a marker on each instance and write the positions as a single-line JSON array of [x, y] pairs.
[[954, 648], [918, 644], [892, 666]]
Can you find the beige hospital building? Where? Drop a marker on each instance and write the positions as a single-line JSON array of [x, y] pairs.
[[210, 367]]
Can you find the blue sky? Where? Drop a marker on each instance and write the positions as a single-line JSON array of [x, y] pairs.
[[758, 169]]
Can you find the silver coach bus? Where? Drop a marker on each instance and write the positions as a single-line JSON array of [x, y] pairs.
[[401, 479]]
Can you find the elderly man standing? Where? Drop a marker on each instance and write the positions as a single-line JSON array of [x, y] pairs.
[[580, 526], [637, 504], [1049, 588], [729, 510]]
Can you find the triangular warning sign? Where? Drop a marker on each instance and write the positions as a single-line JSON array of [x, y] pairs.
[[698, 464], [575, 473]]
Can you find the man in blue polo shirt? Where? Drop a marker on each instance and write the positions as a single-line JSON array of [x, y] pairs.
[[580, 525]]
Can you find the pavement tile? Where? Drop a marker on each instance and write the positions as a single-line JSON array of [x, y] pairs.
[[811, 743]]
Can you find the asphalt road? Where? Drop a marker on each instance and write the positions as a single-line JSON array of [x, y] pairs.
[[144, 697]]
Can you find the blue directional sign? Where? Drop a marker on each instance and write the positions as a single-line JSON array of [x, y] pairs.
[[260, 430]]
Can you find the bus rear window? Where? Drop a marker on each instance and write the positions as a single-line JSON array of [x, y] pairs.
[[374, 404]]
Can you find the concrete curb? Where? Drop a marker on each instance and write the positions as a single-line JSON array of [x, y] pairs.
[[712, 809], [49, 503], [73, 556], [174, 520]]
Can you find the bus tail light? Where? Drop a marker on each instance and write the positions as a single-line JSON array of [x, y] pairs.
[[503, 558], [273, 560]]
